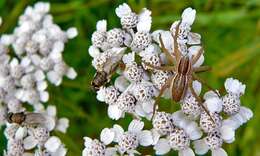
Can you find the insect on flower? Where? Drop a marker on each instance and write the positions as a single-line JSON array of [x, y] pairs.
[[184, 71], [26, 118], [101, 78], [108, 68]]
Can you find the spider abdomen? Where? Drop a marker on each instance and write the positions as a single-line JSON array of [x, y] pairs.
[[179, 87], [181, 80]]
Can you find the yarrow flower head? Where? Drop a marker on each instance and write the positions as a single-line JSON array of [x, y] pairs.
[[37, 44], [135, 56]]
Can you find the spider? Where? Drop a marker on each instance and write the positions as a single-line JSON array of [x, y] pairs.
[[184, 73]]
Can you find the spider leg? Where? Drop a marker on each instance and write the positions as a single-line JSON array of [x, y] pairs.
[[169, 57], [175, 43], [201, 69], [163, 68], [200, 102], [164, 87], [197, 56], [135, 116], [194, 76]]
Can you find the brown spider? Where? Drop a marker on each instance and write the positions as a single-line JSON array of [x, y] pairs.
[[184, 73]]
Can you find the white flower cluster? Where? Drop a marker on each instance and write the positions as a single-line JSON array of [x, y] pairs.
[[136, 86], [126, 141], [24, 138], [31, 57]]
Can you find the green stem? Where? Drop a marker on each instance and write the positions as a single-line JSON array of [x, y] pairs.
[[12, 18]]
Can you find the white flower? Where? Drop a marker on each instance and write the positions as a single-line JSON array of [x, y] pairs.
[[102, 25], [234, 86], [210, 123], [72, 32], [62, 125], [176, 140], [128, 141], [129, 58], [232, 123], [99, 36], [162, 123], [212, 142], [38, 136], [96, 148], [231, 101], [107, 136], [145, 21], [213, 102], [53, 144], [123, 10], [15, 147], [93, 51], [121, 83], [114, 112], [191, 128]]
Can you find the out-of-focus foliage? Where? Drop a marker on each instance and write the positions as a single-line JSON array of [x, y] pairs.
[[230, 32]]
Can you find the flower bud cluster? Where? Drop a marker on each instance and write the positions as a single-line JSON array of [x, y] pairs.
[[135, 55]]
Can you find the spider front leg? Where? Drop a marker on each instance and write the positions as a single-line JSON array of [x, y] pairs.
[[201, 69], [175, 43], [199, 100], [164, 87], [197, 56], [195, 77], [163, 68], [169, 57]]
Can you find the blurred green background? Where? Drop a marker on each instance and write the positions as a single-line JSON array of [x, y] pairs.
[[230, 32]]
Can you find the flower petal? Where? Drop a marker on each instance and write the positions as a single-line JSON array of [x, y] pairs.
[[135, 126], [196, 86], [110, 151], [61, 151], [52, 144], [93, 51], [162, 147], [102, 25], [188, 16], [186, 152], [121, 83], [107, 136], [123, 10], [62, 125], [119, 131], [156, 136], [227, 133], [114, 112], [145, 138], [193, 131], [214, 104], [145, 21], [101, 94], [20, 133], [87, 141], [200, 147], [29, 142], [219, 152]]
